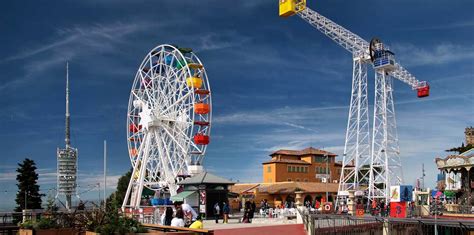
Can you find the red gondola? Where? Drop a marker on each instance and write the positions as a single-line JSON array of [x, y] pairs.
[[423, 91], [201, 139], [135, 128]]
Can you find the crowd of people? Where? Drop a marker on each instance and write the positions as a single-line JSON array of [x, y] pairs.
[[183, 215]]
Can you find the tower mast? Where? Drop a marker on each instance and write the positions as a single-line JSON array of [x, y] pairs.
[[68, 137], [67, 158]]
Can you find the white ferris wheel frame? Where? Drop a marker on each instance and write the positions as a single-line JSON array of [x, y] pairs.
[[161, 110]]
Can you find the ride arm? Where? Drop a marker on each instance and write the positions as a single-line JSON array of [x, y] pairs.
[[345, 38], [353, 43], [403, 75]]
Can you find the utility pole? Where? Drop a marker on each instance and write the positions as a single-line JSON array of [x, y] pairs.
[[328, 176], [25, 199], [105, 173]]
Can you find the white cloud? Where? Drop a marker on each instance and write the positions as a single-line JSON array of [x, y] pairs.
[[71, 43], [444, 53]]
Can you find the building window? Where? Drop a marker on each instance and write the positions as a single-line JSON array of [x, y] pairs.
[[269, 169], [305, 180], [297, 180], [289, 168], [293, 169], [289, 180]]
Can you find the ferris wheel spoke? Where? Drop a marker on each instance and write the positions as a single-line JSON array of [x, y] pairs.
[[176, 102]]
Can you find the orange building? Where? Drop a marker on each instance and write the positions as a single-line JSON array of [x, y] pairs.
[[307, 165]]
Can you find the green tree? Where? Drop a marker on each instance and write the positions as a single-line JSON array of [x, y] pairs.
[[122, 185], [28, 187]]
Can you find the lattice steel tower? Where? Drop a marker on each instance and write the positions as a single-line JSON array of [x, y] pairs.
[[369, 164], [67, 159]]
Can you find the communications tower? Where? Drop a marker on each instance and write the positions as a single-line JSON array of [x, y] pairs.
[[370, 163], [67, 159]]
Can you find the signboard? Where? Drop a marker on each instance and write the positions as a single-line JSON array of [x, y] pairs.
[[202, 209], [202, 197], [322, 176], [394, 193], [327, 208], [406, 193], [398, 209]]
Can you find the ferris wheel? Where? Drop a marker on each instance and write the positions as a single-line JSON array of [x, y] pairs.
[[168, 121]]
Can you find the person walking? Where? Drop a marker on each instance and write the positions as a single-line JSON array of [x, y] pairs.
[[226, 211], [253, 207], [217, 211]]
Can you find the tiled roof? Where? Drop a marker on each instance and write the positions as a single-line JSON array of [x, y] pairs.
[[306, 151], [292, 161], [242, 188], [287, 187]]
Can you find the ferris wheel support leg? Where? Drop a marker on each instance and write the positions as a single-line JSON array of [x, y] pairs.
[[356, 147], [127, 194]]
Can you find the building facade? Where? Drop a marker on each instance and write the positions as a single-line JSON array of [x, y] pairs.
[[307, 165]]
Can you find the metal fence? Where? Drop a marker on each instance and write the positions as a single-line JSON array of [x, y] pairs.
[[337, 224]]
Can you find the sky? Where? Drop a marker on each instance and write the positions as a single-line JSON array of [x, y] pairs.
[[276, 83]]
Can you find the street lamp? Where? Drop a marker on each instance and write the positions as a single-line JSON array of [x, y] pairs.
[[327, 174]]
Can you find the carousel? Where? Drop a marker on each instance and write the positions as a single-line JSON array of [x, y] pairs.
[[456, 181]]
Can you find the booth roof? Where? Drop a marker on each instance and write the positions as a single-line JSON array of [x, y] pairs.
[[205, 178]]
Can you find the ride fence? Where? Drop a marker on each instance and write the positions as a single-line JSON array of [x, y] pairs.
[[351, 225]]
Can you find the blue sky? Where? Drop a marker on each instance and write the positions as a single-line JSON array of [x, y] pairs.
[[276, 83]]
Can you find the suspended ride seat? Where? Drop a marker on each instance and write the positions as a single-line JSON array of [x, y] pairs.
[[201, 123], [291, 7], [145, 69], [194, 82], [133, 152], [202, 92], [185, 50], [180, 64], [201, 108], [201, 139], [423, 91], [135, 128], [195, 66]]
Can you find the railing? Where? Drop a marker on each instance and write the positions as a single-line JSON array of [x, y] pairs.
[[339, 224], [181, 230]]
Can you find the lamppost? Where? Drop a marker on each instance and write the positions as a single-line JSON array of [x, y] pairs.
[[328, 176]]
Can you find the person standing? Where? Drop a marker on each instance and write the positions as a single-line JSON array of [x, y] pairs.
[[168, 216], [217, 211], [178, 221], [226, 211]]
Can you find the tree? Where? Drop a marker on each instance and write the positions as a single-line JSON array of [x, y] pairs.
[[28, 188], [122, 186]]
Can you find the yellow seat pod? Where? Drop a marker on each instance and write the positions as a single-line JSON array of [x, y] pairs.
[[194, 82], [291, 7]]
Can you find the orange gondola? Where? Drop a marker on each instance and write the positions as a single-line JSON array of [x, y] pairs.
[[201, 108]]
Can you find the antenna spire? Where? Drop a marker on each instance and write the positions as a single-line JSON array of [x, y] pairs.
[[68, 139]]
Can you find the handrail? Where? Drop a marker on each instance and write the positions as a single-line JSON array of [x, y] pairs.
[[173, 228]]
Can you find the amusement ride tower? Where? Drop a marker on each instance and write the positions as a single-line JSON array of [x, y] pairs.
[[370, 163]]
